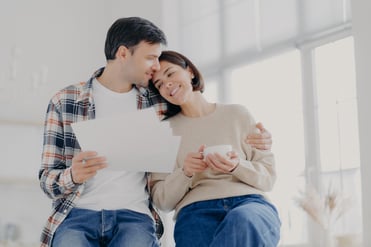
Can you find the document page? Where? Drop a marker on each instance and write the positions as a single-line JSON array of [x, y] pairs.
[[136, 141]]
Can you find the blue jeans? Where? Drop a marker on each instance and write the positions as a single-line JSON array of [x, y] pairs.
[[88, 228], [241, 221]]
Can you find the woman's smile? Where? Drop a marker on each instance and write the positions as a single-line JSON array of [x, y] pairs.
[[174, 90]]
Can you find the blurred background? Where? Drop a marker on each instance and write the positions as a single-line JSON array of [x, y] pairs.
[[300, 66]]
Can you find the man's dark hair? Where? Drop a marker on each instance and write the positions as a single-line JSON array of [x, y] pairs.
[[130, 32]]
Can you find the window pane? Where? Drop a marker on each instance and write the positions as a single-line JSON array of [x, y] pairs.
[[283, 12], [201, 40], [271, 90], [240, 26], [338, 128], [337, 105], [193, 10], [319, 14]]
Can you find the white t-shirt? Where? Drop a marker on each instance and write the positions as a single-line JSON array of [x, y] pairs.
[[112, 189]]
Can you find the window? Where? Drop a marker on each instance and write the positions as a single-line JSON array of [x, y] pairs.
[[285, 94], [337, 105], [338, 127], [271, 90]]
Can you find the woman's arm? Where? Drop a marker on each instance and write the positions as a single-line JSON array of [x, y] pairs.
[[168, 189], [258, 172], [254, 167], [258, 168]]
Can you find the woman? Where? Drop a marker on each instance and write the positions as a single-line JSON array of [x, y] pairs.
[[218, 200]]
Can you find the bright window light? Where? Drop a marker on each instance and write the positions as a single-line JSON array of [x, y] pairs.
[[337, 105], [272, 91], [338, 128]]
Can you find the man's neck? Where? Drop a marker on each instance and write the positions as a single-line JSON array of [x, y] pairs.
[[113, 80]]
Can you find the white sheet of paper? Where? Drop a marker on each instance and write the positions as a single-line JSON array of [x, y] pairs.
[[136, 141]]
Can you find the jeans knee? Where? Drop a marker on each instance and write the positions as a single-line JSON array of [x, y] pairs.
[[241, 217], [254, 221]]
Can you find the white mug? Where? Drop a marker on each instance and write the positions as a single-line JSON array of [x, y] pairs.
[[220, 149]]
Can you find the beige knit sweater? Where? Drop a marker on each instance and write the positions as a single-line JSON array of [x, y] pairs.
[[228, 124]]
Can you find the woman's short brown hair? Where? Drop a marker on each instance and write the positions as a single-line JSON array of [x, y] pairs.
[[182, 61]]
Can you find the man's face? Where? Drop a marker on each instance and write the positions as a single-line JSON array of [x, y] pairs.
[[143, 63]]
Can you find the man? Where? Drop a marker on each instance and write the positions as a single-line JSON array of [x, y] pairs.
[[93, 205]]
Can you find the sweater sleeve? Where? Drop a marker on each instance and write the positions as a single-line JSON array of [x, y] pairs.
[[257, 168], [168, 189], [258, 172]]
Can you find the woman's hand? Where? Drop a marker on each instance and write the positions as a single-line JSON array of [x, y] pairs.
[[194, 163], [221, 163]]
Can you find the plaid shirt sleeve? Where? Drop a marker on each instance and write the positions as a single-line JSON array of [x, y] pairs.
[[147, 98], [69, 105], [55, 172]]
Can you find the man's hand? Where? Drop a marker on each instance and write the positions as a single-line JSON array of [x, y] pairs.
[[262, 140], [85, 165]]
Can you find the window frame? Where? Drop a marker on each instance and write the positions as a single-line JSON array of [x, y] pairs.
[[311, 128], [306, 43]]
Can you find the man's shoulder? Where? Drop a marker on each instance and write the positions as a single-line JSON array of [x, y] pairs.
[[73, 88], [70, 91]]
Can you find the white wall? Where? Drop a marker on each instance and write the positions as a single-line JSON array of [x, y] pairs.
[[362, 38], [48, 44], [45, 45], [22, 202], [150, 10]]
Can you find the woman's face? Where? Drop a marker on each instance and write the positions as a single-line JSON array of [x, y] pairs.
[[174, 83]]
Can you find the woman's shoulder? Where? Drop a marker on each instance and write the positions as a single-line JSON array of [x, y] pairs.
[[237, 113], [234, 109]]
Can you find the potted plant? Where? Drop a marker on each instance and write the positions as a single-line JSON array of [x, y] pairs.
[[324, 209]]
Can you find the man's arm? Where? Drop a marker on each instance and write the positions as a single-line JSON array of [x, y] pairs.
[[55, 175], [262, 140], [64, 167]]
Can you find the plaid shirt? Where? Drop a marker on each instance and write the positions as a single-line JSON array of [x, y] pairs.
[[72, 104]]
